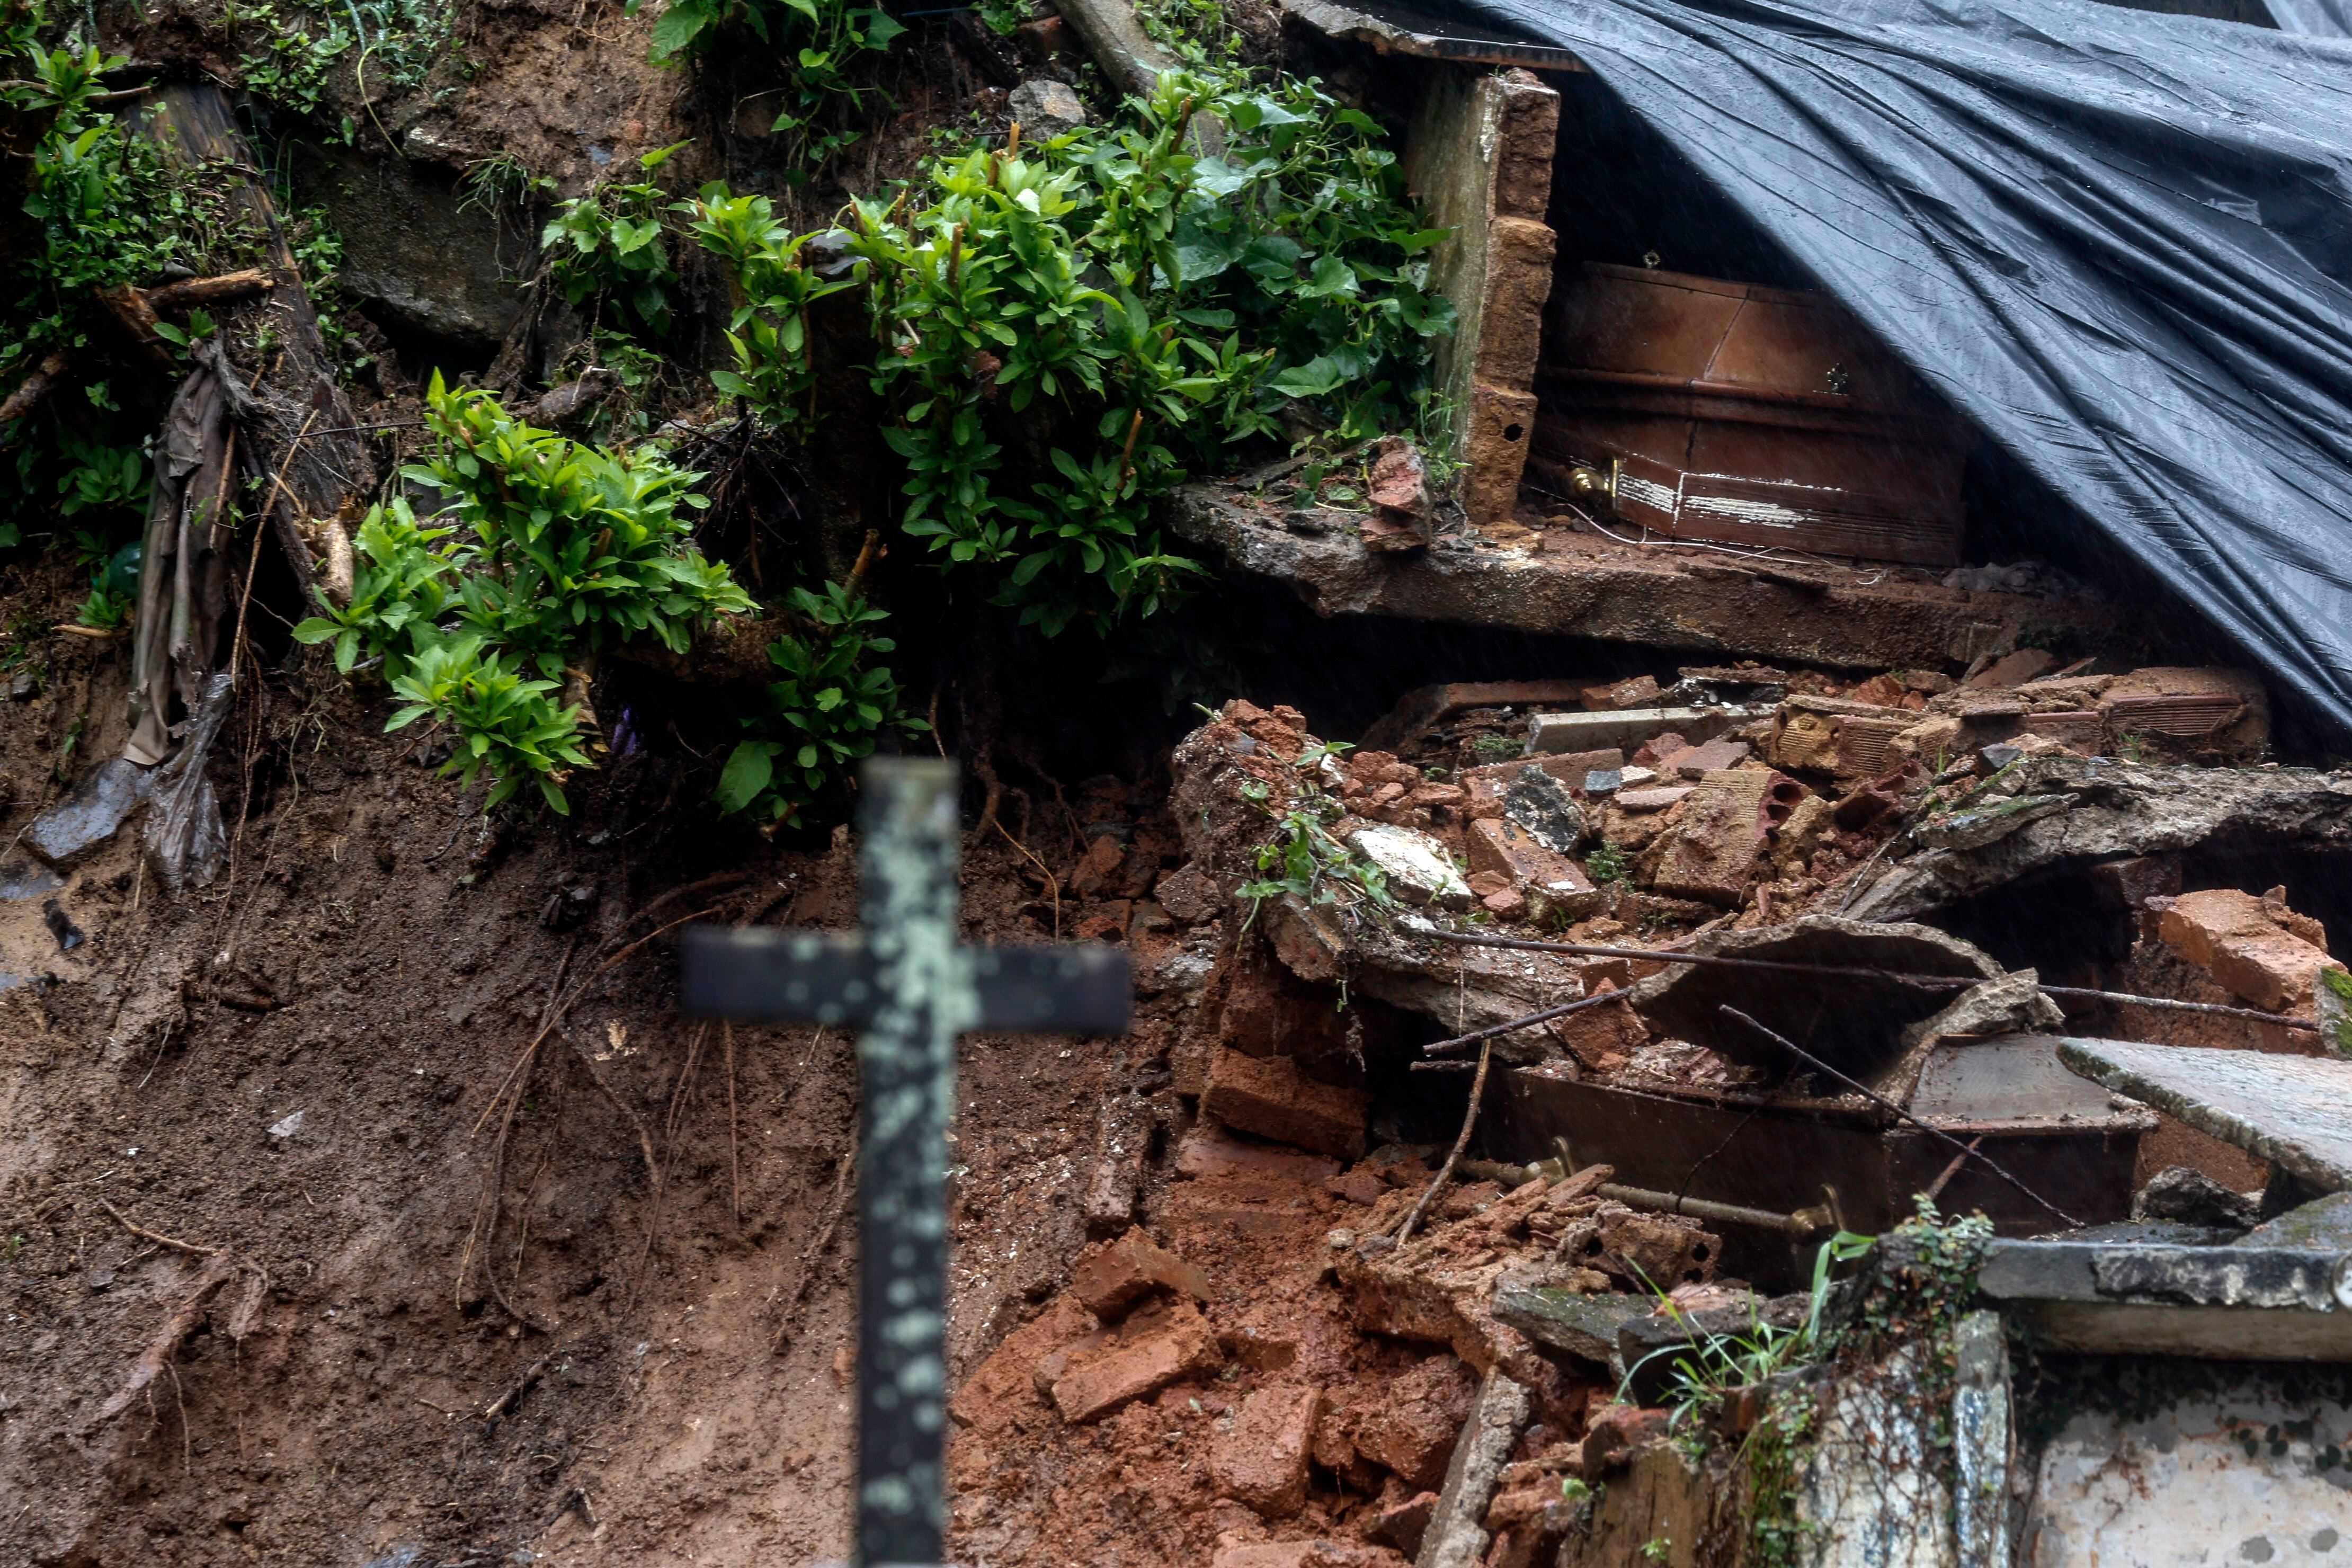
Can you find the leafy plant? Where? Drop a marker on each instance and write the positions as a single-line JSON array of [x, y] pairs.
[[1160, 304], [823, 41], [105, 610], [1606, 864], [551, 550], [571, 546], [400, 590], [769, 332], [504, 721], [831, 708], [1300, 856], [102, 478], [612, 243]]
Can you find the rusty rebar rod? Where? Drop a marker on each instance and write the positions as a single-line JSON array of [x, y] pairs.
[[1460, 1042], [1861, 971], [1885, 1104]]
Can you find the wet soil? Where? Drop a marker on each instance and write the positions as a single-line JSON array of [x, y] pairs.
[[242, 1135]]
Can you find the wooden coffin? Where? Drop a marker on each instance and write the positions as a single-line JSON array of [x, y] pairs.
[[1744, 414]]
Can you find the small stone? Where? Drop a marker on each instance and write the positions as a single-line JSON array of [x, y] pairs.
[[1543, 805], [1400, 481], [1046, 108], [89, 815], [1652, 799], [1658, 747], [287, 1128]]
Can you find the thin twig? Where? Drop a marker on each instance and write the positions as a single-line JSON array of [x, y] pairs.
[[815, 1253], [734, 1157], [1885, 1104], [1454, 1156], [158, 1237]]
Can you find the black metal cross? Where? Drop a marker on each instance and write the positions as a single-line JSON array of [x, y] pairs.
[[911, 988]]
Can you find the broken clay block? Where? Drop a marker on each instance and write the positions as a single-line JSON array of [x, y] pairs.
[[1261, 1462], [1616, 1431], [1270, 1097], [1510, 851], [1211, 1151], [1412, 1429], [1695, 762], [1603, 1038], [2233, 937], [1657, 748], [1111, 1276], [1713, 853], [1151, 1350], [1641, 692], [1005, 1386]]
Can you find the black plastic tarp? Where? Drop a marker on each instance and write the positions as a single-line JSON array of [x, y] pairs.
[[2120, 242], [2319, 18]]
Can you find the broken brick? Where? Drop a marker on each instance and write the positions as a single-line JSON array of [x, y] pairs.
[[1271, 1098], [1111, 1276], [1692, 762], [1656, 747], [1510, 851], [1097, 867], [1616, 1431], [993, 1397], [1261, 1462], [1712, 852], [1509, 904], [2233, 937], [1358, 1186], [1402, 1523], [1641, 692], [1412, 1429], [1151, 1350], [1602, 1038], [2013, 670], [1208, 1150]]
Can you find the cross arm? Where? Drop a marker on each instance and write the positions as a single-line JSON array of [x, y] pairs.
[[779, 976]]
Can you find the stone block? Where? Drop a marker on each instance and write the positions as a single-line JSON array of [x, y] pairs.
[[1594, 731], [2233, 937], [1527, 132], [1271, 1098], [1261, 1462], [1211, 1151], [1412, 1429], [1418, 869], [1109, 1276], [993, 1397], [1151, 1350]]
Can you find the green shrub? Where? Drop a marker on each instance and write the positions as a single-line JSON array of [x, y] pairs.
[[1160, 304], [553, 551], [613, 243], [830, 709]]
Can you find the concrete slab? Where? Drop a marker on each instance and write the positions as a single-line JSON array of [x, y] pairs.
[[2295, 1111], [1580, 585]]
